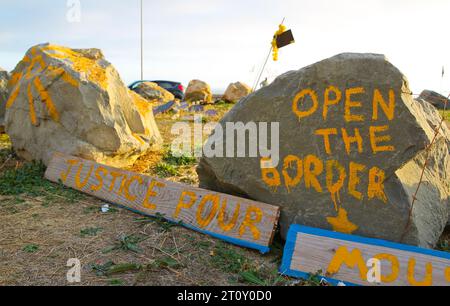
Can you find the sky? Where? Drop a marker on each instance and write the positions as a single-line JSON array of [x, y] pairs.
[[224, 41]]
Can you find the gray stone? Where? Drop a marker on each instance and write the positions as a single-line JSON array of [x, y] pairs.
[[374, 194], [436, 99], [4, 79], [73, 101], [154, 93]]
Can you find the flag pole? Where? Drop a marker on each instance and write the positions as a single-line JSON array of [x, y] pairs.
[[142, 41], [265, 64]]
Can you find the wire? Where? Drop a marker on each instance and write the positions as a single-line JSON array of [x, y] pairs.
[[428, 149]]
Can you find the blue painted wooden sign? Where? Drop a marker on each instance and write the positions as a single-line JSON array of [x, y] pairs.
[[356, 260], [164, 108]]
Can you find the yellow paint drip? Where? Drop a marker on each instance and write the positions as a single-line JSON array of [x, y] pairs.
[[341, 223], [47, 100], [138, 138], [13, 97], [31, 106]]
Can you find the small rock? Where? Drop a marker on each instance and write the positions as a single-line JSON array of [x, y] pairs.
[[436, 99], [152, 92], [199, 91], [236, 91]]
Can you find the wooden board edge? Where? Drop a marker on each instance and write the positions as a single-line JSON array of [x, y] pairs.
[[236, 241], [295, 229]]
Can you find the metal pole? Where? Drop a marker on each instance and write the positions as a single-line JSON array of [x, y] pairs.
[[262, 70], [142, 40], [265, 64]]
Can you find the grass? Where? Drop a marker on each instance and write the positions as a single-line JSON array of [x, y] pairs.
[[31, 248], [29, 180], [159, 220], [245, 270], [178, 159], [165, 170], [90, 232], [172, 163], [126, 243], [446, 115]]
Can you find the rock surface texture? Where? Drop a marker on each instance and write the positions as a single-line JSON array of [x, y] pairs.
[[352, 146], [198, 91], [74, 101], [154, 93], [4, 78], [236, 92], [436, 99]]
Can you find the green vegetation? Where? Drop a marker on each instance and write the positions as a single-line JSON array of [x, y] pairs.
[[165, 170], [127, 243], [167, 262], [116, 282], [231, 261], [90, 232], [443, 245], [159, 220], [171, 164], [182, 160], [29, 180], [31, 248], [446, 115]]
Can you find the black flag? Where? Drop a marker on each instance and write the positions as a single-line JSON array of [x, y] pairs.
[[285, 39]]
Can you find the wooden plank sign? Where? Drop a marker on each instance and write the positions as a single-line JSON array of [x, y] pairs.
[[350, 259], [240, 221]]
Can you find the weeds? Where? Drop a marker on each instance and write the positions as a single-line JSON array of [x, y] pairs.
[[443, 245], [90, 232], [231, 261], [31, 248], [182, 160], [171, 164], [159, 220], [29, 180], [166, 170], [167, 262], [116, 282], [126, 243]]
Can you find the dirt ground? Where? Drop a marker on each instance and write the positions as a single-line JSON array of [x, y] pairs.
[[43, 225]]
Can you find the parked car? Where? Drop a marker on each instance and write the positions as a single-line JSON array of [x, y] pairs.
[[174, 88]]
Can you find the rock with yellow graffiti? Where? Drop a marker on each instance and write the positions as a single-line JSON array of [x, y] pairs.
[[153, 93], [236, 91], [198, 91], [73, 101], [4, 78], [339, 145]]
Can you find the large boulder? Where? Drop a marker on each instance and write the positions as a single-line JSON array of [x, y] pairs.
[[4, 79], [198, 91], [236, 91], [74, 101], [352, 145], [436, 99], [154, 93]]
